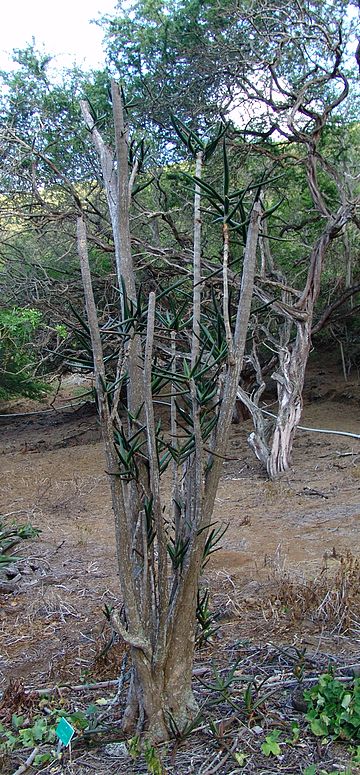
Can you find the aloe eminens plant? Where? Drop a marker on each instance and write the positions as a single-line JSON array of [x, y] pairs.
[[160, 547]]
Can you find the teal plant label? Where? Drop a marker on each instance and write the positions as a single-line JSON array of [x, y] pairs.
[[64, 731]]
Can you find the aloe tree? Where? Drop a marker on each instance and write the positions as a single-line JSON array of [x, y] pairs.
[[161, 545]]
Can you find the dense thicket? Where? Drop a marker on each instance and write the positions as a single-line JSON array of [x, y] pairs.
[[276, 84]]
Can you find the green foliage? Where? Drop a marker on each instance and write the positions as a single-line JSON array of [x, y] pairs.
[[17, 329], [135, 747], [151, 43], [194, 143], [39, 729], [10, 536], [240, 758], [152, 759], [192, 56], [45, 113], [334, 708], [204, 617], [23, 734], [61, 330], [271, 746], [19, 323], [220, 690], [295, 731], [356, 755]]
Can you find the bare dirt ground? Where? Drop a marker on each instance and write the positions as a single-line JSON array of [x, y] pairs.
[[280, 537]]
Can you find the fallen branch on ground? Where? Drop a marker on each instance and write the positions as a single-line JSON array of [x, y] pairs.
[[28, 763]]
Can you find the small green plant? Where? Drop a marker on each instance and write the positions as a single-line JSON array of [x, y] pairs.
[[204, 618], [356, 755], [22, 734], [181, 734], [334, 708], [271, 746], [61, 331], [295, 730], [255, 697], [10, 536], [299, 663], [220, 688], [254, 701], [240, 758], [39, 730], [133, 746], [153, 762]]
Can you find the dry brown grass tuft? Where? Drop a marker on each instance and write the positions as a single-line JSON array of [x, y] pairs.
[[16, 700], [340, 605], [330, 599]]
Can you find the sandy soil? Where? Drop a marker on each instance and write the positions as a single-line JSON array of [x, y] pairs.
[[52, 626]]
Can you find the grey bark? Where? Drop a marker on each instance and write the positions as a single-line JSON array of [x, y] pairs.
[[272, 443], [160, 619]]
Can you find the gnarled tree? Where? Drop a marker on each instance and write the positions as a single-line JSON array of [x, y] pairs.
[[295, 103]]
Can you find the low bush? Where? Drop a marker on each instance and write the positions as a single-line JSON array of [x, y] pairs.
[[334, 708], [17, 362]]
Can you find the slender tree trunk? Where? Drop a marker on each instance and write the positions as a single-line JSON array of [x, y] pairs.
[[272, 443], [290, 383], [293, 360]]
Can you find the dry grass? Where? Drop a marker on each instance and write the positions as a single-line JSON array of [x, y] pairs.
[[331, 599], [54, 496]]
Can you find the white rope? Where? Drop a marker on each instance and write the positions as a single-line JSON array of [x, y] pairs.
[[264, 411], [318, 430], [44, 411]]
